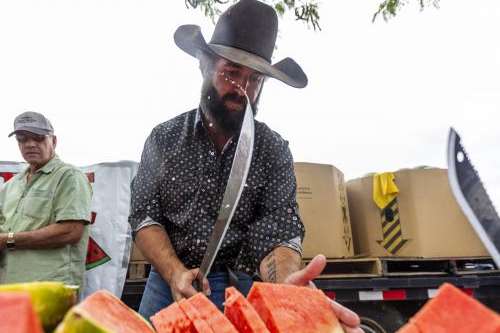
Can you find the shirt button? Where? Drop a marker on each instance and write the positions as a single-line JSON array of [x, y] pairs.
[[212, 153]]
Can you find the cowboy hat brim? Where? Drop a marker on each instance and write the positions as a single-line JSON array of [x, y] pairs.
[[190, 39]]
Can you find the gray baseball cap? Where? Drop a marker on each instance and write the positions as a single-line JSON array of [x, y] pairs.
[[33, 122]]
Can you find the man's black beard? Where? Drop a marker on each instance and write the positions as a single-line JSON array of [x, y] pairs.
[[229, 121]]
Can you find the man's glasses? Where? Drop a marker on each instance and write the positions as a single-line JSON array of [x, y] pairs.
[[23, 138]]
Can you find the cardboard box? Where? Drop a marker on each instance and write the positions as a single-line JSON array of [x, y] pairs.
[[136, 254], [322, 200], [431, 221]]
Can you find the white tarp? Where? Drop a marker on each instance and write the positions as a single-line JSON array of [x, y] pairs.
[[110, 243]]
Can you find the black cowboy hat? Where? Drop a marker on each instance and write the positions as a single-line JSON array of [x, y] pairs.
[[244, 34]]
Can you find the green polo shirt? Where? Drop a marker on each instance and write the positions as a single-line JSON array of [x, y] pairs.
[[57, 192]]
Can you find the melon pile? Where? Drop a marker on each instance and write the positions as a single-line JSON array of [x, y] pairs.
[[269, 308]]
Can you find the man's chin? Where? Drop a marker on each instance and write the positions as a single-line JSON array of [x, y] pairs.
[[234, 107], [33, 159]]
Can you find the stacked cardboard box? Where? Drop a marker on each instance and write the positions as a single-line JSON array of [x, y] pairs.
[[431, 222], [323, 207]]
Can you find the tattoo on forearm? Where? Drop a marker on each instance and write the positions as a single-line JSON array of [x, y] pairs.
[[271, 267]]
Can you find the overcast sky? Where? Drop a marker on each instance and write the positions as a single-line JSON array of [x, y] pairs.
[[381, 96]]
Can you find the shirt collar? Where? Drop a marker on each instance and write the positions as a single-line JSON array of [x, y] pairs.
[[49, 166], [199, 127]]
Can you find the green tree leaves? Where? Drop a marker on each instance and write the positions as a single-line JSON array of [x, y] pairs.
[[306, 11]]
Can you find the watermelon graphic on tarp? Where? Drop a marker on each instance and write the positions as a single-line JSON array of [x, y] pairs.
[[6, 176], [95, 255]]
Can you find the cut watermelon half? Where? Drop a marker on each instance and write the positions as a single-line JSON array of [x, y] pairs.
[[103, 312], [209, 312], [454, 311], [17, 314], [172, 320], [241, 313], [290, 309], [200, 325]]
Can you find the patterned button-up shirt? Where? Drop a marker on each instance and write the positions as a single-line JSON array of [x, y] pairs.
[[181, 181]]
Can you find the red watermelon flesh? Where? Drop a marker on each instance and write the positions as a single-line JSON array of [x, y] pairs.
[[17, 314], [200, 325], [290, 309], [109, 312], [241, 313], [172, 320], [454, 311], [209, 312]]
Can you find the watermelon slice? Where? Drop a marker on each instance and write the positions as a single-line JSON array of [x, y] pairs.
[[103, 312], [200, 325], [242, 314], [454, 311], [17, 314], [95, 255], [290, 309], [172, 320], [209, 312]]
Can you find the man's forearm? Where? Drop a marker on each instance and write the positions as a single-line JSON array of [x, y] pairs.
[[50, 237], [155, 245], [279, 264]]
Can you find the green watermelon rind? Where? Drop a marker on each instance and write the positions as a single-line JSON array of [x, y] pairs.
[[76, 323], [79, 320]]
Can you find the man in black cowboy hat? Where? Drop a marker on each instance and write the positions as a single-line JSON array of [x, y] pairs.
[[186, 162]]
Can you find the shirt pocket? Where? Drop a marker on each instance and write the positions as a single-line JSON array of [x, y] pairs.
[[37, 207]]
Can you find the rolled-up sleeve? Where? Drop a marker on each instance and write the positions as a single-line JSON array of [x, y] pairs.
[[278, 220], [145, 206]]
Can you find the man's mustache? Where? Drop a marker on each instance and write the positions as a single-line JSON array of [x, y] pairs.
[[234, 97]]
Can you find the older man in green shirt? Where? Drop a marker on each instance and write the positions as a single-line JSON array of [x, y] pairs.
[[44, 211]]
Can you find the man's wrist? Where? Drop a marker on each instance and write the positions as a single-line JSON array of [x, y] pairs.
[[10, 242], [169, 269]]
